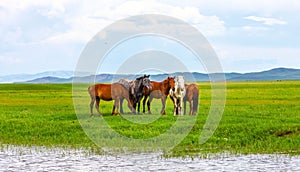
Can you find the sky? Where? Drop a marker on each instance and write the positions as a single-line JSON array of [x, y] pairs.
[[247, 36]]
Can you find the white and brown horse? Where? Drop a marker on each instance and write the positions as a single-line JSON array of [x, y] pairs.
[[177, 94]]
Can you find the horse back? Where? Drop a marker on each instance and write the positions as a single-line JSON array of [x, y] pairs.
[[158, 89], [191, 91], [102, 91], [119, 90], [194, 88]]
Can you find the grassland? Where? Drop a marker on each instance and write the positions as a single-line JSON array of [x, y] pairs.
[[259, 117]]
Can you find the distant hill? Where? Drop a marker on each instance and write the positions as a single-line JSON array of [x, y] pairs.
[[273, 74], [67, 76], [49, 79], [26, 77]]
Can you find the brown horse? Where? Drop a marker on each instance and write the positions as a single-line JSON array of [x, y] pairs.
[[108, 92], [192, 95], [160, 90]]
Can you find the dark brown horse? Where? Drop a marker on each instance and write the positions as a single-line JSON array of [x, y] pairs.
[[160, 90], [108, 92], [192, 95], [135, 89]]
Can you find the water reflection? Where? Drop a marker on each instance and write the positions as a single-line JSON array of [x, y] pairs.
[[55, 159]]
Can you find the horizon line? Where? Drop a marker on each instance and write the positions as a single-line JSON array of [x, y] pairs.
[[151, 73]]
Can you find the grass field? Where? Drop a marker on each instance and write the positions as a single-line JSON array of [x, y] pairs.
[[259, 117]]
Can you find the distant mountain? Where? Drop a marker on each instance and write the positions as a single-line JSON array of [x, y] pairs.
[[48, 79], [273, 74], [67, 76], [27, 77]]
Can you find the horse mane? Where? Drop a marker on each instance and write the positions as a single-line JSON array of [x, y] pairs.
[[138, 83]]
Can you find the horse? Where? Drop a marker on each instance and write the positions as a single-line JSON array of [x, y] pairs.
[[177, 94], [192, 95], [135, 89], [108, 92], [160, 90]]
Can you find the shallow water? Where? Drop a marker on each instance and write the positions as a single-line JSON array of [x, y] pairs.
[[55, 159]]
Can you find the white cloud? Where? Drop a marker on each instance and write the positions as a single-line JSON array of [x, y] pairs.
[[55, 27], [264, 7], [209, 25], [87, 18], [266, 21]]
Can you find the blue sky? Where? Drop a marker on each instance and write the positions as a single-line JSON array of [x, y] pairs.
[[248, 35]]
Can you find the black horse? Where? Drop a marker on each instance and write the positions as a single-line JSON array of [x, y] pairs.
[[136, 90]]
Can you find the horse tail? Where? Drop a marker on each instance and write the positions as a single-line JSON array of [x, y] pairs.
[[91, 91], [89, 88], [195, 100]]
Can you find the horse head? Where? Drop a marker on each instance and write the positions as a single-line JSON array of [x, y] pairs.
[[171, 83], [146, 82], [179, 84]]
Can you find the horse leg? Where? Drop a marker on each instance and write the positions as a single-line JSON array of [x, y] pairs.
[[113, 110], [116, 105], [180, 106], [184, 107], [163, 109], [97, 106], [144, 102], [175, 104], [191, 107], [92, 106], [134, 107], [138, 103], [129, 104], [121, 105], [175, 107], [131, 108], [149, 104]]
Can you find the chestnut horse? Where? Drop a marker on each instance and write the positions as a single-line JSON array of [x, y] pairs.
[[178, 94], [192, 95], [160, 90], [108, 92]]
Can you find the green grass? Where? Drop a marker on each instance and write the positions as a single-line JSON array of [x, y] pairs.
[[259, 117]]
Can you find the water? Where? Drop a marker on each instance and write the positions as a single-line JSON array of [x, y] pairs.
[[55, 159]]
